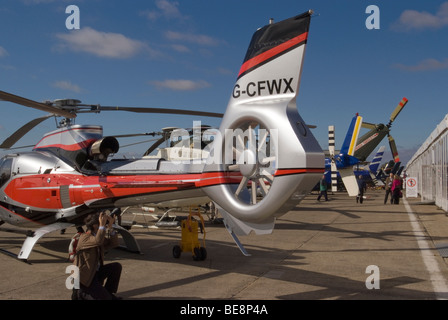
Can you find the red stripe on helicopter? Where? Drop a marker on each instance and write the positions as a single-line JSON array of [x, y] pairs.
[[73, 147], [269, 54], [180, 181], [40, 192], [283, 172], [213, 178]]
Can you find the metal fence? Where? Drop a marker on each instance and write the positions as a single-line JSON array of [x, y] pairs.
[[430, 166]]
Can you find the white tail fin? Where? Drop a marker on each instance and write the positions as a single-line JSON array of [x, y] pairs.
[[268, 151]]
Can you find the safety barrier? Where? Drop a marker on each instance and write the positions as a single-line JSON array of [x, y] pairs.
[[430, 166]]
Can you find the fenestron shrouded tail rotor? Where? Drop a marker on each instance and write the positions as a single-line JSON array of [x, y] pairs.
[[272, 151]]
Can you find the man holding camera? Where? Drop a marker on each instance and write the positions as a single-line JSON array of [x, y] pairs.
[[90, 258]]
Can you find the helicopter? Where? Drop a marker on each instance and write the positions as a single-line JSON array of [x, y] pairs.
[[364, 146], [370, 140], [263, 160]]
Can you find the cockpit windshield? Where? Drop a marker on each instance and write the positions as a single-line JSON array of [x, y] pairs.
[[5, 170]]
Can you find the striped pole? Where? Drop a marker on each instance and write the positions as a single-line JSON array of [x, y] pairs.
[[334, 174]]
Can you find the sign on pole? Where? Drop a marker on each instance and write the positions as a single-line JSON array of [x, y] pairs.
[[411, 187]]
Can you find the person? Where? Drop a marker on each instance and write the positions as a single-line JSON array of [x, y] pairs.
[[323, 189], [389, 181], [90, 259], [362, 188], [396, 189]]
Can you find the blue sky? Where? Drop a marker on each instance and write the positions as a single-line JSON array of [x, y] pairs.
[[186, 54]]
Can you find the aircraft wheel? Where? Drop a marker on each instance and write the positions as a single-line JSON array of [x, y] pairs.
[[197, 254], [176, 251]]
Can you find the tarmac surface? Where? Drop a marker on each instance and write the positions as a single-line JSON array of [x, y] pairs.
[[336, 249]]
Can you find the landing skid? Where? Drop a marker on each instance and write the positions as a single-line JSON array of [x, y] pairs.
[[230, 228], [33, 236], [237, 241], [131, 244], [237, 227], [31, 240], [12, 255]]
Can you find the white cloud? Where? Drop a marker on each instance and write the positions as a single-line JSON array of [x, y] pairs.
[[3, 52], [192, 38], [101, 44], [416, 20], [66, 85], [180, 48], [425, 65], [7, 67], [29, 2], [165, 9], [180, 84]]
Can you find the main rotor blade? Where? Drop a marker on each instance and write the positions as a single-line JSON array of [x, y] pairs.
[[164, 110], [398, 109], [16, 136], [34, 104], [137, 134], [393, 149], [368, 125]]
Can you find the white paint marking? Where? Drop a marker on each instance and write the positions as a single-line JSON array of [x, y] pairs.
[[432, 266]]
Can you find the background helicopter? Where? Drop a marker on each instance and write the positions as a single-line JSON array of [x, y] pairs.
[[67, 175], [347, 159], [370, 140]]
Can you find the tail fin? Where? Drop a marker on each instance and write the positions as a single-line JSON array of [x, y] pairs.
[[272, 181], [345, 160], [349, 180], [272, 66], [375, 163], [351, 138]]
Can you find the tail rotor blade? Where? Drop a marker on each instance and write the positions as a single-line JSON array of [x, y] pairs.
[[398, 109], [393, 149]]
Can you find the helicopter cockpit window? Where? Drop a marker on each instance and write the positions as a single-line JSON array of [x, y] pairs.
[[5, 170]]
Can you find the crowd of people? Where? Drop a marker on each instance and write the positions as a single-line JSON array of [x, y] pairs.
[[393, 188]]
